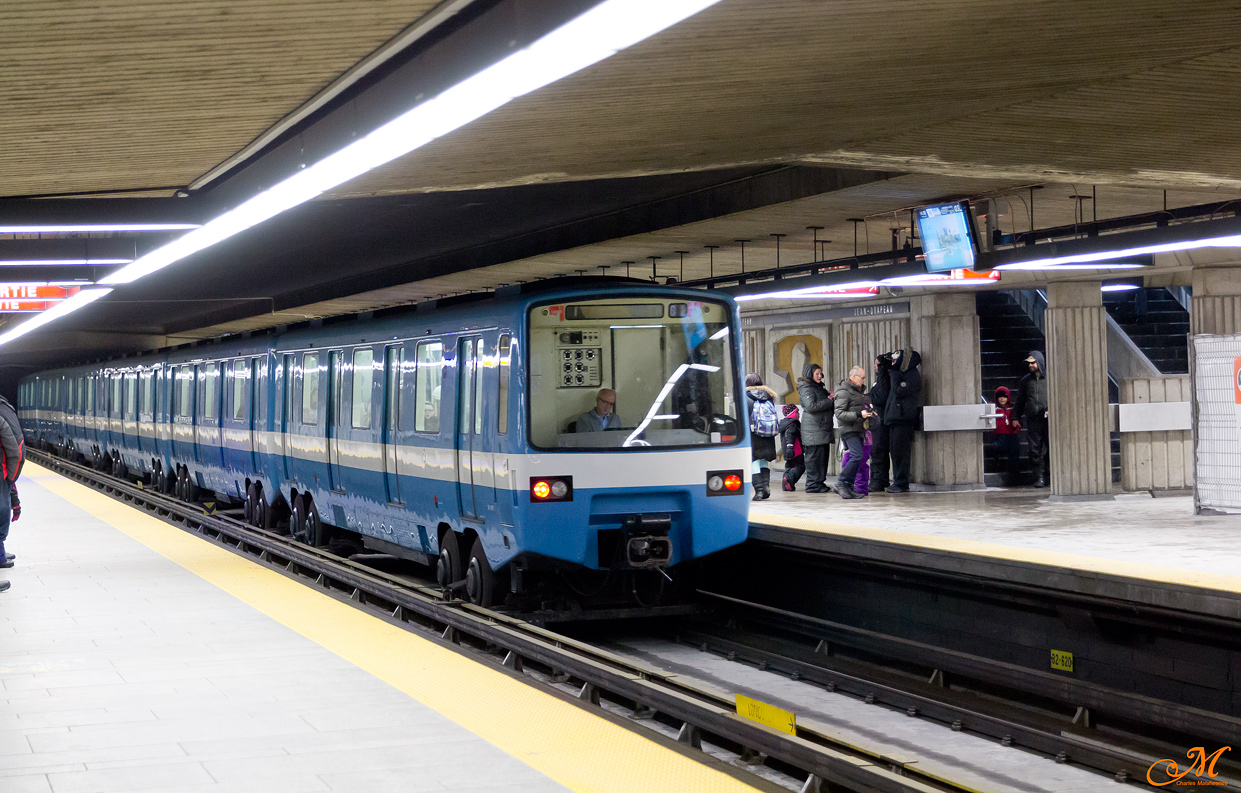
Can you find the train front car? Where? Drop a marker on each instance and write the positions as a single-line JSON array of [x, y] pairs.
[[637, 433]]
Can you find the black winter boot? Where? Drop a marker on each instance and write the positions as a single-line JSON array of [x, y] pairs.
[[756, 484], [765, 476]]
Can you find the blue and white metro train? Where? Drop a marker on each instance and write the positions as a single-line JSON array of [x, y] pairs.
[[447, 435]]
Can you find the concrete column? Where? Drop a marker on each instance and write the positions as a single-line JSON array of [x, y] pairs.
[[1076, 331], [1216, 300], [944, 329]]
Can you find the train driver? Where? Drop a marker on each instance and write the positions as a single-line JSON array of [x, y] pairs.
[[602, 416]]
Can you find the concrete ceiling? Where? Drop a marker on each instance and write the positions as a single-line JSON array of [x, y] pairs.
[[890, 104]]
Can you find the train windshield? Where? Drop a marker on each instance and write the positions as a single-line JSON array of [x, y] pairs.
[[632, 372]]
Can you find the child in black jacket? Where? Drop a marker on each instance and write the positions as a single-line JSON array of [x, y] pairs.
[[794, 457]]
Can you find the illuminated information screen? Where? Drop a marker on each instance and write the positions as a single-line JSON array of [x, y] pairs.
[[947, 242]]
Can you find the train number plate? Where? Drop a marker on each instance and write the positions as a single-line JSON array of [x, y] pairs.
[[1062, 660], [770, 715]]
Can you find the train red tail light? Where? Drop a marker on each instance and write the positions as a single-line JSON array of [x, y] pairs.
[[551, 488], [725, 483]]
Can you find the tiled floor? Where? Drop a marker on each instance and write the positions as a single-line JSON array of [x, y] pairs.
[[122, 671], [1132, 528]]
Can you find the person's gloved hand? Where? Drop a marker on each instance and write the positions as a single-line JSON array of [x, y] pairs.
[[17, 512]]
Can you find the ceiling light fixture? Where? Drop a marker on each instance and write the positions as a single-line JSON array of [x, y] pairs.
[[1045, 266], [86, 228], [83, 298], [599, 33], [855, 289], [60, 262]]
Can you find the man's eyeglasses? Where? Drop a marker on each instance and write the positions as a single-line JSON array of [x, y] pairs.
[[605, 402]]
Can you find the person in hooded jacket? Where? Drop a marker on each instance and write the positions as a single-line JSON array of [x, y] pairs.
[[852, 412], [762, 448], [817, 436], [1007, 437], [880, 457], [901, 413], [794, 454], [12, 456], [1030, 414]]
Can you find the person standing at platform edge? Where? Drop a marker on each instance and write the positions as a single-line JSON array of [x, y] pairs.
[[902, 410], [1030, 412], [12, 452], [764, 427], [880, 459], [1007, 437], [794, 453], [852, 412], [816, 426]]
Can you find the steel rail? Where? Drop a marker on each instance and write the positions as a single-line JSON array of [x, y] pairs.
[[597, 675]]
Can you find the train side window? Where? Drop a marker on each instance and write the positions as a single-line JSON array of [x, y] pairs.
[[502, 402], [239, 377], [428, 382], [395, 367], [310, 388], [363, 387], [185, 384], [147, 403], [260, 392], [211, 389], [115, 405], [131, 395]]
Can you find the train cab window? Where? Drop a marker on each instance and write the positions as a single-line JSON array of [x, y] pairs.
[[502, 402], [363, 381], [211, 389], [310, 388], [239, 377], [632, 372], [428, 383]]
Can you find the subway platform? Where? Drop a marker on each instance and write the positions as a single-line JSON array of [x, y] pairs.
[[135, 656], [1152, 551]]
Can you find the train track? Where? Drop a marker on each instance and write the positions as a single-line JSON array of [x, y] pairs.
[[700, 717]]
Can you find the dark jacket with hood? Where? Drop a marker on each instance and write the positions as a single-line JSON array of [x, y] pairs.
[[851, 400], [904, 402], [12, 442], [1031, 402], [790, 434], [761, 447], [1003, 425], [817, 409], [882, 386]]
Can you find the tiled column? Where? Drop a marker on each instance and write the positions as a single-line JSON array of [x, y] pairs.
[[1216, 300], [1076, 330], [944, 329]]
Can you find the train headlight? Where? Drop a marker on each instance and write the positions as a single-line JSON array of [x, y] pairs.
[[551, 488], [725, 483]]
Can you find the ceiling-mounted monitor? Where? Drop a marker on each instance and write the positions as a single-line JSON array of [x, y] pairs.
[[947, 232]]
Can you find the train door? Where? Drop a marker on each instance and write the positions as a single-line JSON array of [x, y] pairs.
[[208, 436], [394, 381], [146, 414], [183, 414], [238, 427], [468, 407], [332, 430], [284, 426], [504, 484]]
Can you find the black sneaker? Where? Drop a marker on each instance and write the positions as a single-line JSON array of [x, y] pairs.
[[4, 585], [845, 491], [895, 489]]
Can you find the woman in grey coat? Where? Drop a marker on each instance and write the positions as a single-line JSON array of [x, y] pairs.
[[816, 426]]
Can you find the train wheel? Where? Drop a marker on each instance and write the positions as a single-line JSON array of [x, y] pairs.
[[448, 568], [248, 511], [297, 519], [263, 512], [315, 533], [480, 579], [122, 470]]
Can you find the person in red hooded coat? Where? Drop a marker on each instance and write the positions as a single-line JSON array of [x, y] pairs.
[[1007, 437]]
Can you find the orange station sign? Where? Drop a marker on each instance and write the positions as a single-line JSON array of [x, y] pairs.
[[27, 298]]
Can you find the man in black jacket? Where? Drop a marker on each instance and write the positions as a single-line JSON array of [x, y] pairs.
[[816, 426], [1030, 412], [880, 460], [901, 413]]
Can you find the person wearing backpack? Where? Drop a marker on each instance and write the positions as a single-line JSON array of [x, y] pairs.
[[12, 454], [764, 426]]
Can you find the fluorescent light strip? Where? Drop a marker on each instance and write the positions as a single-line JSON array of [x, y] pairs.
[[1041, 264], [83, 298], [66, 228], [59, 262], [1117, 287], [833, 291], [1230, 241], [601, 32]]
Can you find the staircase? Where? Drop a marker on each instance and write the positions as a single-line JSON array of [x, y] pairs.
[[1156, 322], [1006, 336]]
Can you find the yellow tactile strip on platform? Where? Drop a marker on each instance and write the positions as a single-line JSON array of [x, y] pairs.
[[565, 742], [1070, 561]]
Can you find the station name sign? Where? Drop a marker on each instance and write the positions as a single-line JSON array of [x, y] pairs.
[[29, 298], [824, 314]]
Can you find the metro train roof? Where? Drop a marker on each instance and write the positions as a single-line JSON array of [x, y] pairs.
[[505, 299]]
